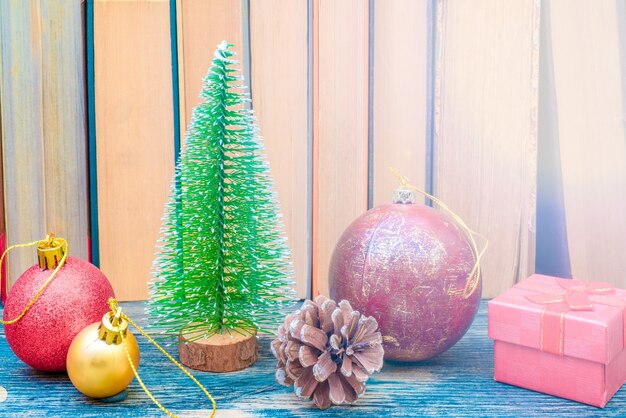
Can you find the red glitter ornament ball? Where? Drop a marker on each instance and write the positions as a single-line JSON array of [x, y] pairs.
[[407, 265], [75, 298]]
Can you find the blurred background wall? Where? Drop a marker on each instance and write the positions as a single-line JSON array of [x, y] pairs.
[[511, 111]]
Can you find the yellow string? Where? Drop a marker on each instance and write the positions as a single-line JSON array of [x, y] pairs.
[[474, 276], [113, 305], [49, 240]]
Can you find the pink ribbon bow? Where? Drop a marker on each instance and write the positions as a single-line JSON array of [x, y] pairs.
[[577, 295]]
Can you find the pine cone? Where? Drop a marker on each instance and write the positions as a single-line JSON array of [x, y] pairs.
[[327, 351]]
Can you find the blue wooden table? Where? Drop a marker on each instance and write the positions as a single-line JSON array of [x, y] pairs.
[[457, 383]]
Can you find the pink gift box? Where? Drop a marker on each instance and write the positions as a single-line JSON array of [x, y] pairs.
[[561, 337]]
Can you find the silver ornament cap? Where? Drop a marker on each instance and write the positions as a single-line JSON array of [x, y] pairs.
[[404, 195]]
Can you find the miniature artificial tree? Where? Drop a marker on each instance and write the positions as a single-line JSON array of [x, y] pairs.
[[223, 270]]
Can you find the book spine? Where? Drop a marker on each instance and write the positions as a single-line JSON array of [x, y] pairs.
[[486, 129], [43, 125], [340, 133], [134, 136], [279, 57], [589, 93], [400, 105]]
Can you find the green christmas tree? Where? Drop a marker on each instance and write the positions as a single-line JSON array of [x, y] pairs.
[[223, 263]]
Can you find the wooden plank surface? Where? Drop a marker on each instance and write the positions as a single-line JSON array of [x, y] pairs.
[[43, 120], [134, 133], [457, 383], [400, 78], [279, 80], [486, 128], [202, 26], [588, 77], [340, 125]]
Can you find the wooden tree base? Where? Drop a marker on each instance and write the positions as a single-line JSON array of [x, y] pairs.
[[219, 353]]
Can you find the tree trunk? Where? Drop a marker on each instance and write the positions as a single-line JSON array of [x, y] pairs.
[[219, 353]]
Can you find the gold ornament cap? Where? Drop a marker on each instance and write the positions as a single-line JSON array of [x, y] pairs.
[[113, 324], [50, 252], [404, 195]]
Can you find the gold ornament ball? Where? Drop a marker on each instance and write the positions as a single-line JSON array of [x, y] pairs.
[[98, 369]]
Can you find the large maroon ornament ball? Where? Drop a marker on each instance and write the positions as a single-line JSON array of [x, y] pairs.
[[407, 265], [75, 298]]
